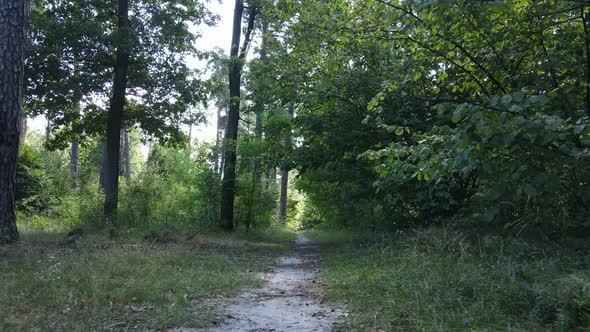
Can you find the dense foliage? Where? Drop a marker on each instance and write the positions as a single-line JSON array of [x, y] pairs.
[[421, 112]]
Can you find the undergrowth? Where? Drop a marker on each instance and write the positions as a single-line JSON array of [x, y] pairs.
[[149, 280], [444, 280]]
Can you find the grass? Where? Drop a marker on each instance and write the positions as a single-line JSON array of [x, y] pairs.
[[94, 283], [443, 280]]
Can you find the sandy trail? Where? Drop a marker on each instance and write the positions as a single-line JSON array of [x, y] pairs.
[[289, 300]]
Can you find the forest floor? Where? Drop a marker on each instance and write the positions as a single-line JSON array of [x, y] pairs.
[[443, 279], [289, 300], [142, 280]]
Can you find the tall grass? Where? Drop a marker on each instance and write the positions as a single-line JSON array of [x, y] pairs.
[[444, 280]]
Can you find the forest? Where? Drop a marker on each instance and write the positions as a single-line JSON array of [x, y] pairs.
[[372, 165]]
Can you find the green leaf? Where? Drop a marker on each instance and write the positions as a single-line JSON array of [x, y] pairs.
[[399, 131]]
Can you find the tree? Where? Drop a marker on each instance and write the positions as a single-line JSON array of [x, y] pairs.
[[237, 57], [13, 24], [71, 68], [419, 112], [116, 112]]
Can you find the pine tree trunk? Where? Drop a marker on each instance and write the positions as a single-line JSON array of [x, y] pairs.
[[115, 113], [13, 31]]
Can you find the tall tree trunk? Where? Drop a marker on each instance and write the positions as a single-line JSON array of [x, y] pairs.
[[231, 131], [283, 197], [116, 111], [127, 155], [13, 30]]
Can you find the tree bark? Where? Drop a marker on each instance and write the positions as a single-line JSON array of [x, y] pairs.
[[231, 131], [116, 112], [13, 31]]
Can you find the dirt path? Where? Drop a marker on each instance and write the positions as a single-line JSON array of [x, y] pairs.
[[289, 300]]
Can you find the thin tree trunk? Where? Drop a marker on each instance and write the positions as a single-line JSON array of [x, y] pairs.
[[13, 31], [231, 132], [115, 113], [283, 197], [127, 155]]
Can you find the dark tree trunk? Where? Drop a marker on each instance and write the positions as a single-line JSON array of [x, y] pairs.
[[13, 30], [127, 155], [283, 197], [115, 113], [231, 131]]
